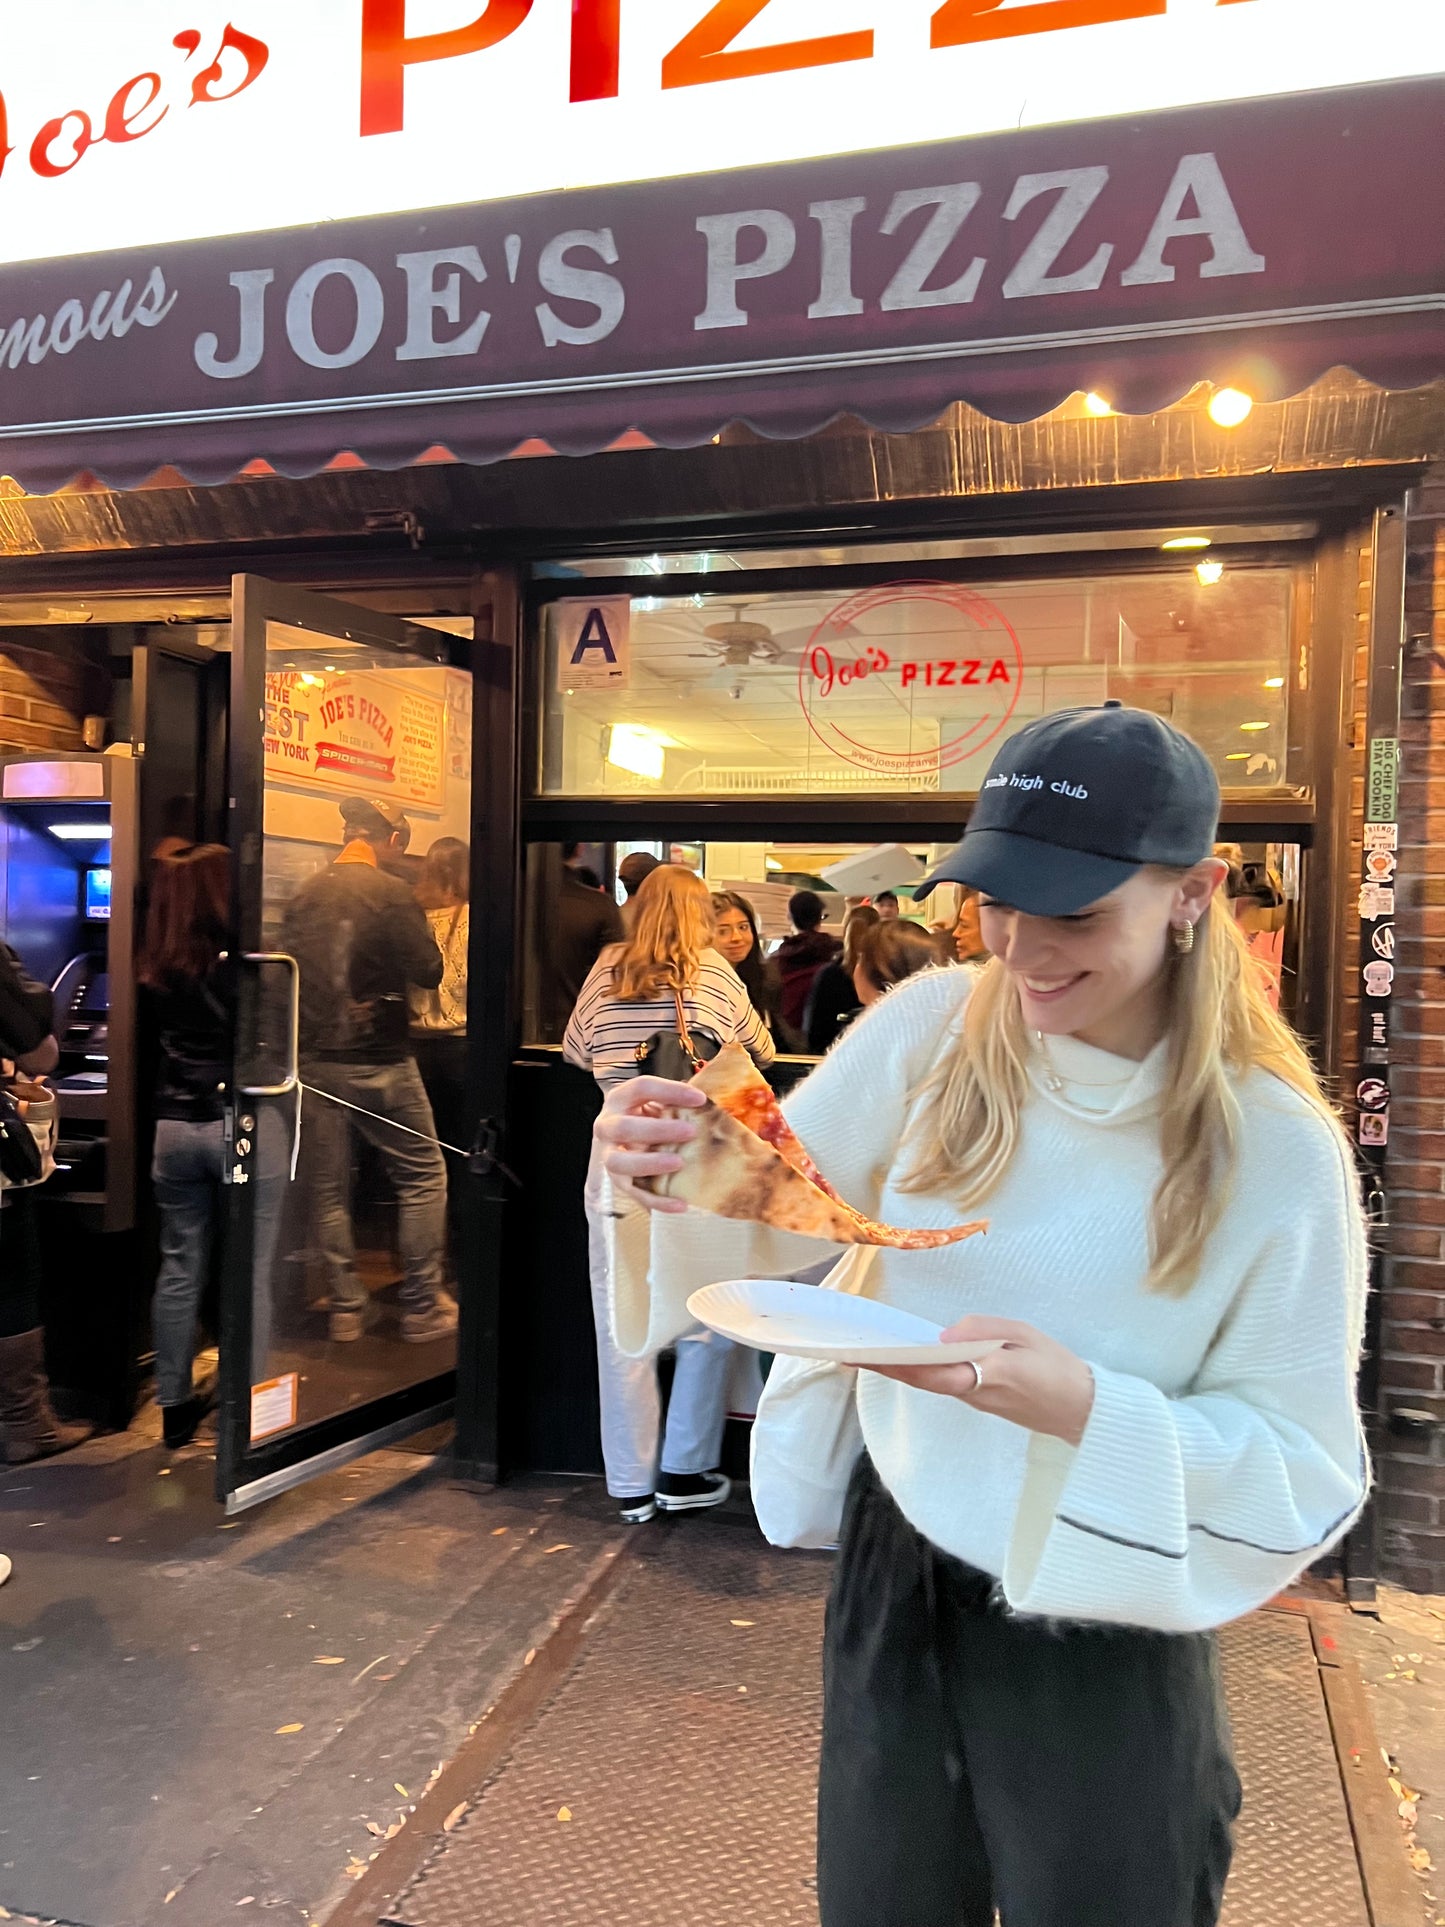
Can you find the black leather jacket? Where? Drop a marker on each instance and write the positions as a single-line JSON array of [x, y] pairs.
[[360, 938], [193, 1023], [26, 1007]]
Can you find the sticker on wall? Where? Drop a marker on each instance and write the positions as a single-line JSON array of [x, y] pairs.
[[1377, 1054], [1373, 1094], [1382, 941], [1382, 836], [1379, 1033], [1380, 866], [1373, 1127], [273, 1406], [1382, 780], [1376, 900], [594, 643], [1378, 979]]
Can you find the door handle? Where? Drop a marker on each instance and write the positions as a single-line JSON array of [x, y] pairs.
[[293, 1063]]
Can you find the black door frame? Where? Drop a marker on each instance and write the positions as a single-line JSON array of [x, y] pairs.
[[246, 1474]]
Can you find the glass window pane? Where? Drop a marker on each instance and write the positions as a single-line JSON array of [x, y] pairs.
[[909, 687]]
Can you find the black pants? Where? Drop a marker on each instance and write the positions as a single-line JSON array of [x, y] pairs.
[[19, 1266], [1067, 1775], [441, 1057]]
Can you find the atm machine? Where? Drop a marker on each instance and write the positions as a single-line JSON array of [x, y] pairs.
[[69, 874]]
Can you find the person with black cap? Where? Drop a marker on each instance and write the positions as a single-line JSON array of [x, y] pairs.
[[1021, 1706], [362, 942]]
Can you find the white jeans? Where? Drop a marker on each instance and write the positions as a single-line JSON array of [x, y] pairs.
[[631, 1407]]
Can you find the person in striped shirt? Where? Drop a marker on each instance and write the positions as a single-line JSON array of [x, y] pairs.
[[627, 999]]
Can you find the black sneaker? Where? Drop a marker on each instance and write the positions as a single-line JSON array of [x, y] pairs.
[[637, 1512], [692, 1491]]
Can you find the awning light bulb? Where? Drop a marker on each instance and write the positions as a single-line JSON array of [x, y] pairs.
[[1097, 404], [1209, 572], [1228, 407]]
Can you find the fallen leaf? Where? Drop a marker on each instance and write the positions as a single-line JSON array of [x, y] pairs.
[[113, 1540], [401, 1789], [164, 1473], [170, 1896], [742, 1689], [327, 1659], [551, 1549], [744, 1622], [500, 1532], [28, 1645], [372, 1827], [564, 1813], [295, 1727], [1420, 1860], [454, 1818], [247, 1900], [530, 1657]]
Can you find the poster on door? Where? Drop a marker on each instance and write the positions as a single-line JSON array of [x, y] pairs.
[[358, 733]]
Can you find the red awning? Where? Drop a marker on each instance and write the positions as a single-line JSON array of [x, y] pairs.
[[1258, 245]]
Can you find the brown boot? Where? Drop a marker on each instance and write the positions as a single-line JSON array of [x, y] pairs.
[[32, 1431]]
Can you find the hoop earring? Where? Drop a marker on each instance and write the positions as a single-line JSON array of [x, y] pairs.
[[1183, 935]]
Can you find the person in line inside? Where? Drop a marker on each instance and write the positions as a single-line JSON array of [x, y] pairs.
[[1022, 1708], [833, 1002], [580, 923], [439, 1014], [362, 943], [1258, 902], [735, 935], [886, 954], [632, 871], [28, 1425], [968, 944], [802, 955], [187, 977], [886, 904], [632, 995]]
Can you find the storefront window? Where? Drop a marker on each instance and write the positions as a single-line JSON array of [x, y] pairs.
[[905, 687]]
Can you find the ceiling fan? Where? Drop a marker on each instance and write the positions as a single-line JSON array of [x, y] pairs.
[[741, 641]]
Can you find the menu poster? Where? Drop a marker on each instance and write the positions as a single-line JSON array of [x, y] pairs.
[[360, 733]]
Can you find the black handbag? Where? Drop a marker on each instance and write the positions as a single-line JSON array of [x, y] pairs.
[[677, 1054]]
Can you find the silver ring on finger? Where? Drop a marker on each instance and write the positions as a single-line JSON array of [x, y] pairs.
[[977, 1377]]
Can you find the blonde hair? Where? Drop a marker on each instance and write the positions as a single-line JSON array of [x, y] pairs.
[[671, 929], [1220, 1024]]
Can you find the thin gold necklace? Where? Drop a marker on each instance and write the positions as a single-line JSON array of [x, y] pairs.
[[1054, 1082]]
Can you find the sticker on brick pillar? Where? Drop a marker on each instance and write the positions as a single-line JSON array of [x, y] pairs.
[[1374, 1127], [1382, 780], [1382, 836], [1373, 1094], [1380, 866], [1376, 900], [1382, 941], [1379, 978]]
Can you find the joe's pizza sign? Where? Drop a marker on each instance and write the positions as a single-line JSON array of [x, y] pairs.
[[359, 733], [129, 126]]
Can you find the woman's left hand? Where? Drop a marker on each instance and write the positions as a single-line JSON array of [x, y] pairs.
[[1031, 1381]]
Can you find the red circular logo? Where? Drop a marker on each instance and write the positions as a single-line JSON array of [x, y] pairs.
[[909, 678]]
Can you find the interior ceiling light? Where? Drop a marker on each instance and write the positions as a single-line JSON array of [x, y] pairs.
[[1274, 682], [1254, 726], [1097, 405], [80, 832], [642, 751], [1188, 542], [1228, 407], [1238, 756], [1209, 573]]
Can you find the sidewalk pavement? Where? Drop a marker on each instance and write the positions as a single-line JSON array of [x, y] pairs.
[[1401, 1654], [203, 1715]]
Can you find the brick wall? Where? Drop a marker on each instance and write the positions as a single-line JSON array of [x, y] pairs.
[[50, 680], [1412, 1473]]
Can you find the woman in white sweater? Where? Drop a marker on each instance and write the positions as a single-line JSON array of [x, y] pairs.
[[630, 997], [1022, 1707]]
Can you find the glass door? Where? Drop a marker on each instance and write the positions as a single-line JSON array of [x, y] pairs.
[[350, 822]]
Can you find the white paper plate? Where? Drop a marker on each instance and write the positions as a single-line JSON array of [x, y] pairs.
[[805, 1321]]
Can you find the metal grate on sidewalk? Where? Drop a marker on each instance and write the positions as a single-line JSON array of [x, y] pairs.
[[683, 1747]]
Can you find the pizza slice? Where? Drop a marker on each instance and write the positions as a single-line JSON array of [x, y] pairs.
[[746, 1162]]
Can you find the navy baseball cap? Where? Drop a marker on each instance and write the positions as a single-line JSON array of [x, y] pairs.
[[1074, 804]]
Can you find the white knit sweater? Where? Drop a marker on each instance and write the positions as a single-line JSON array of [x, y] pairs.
[[1224, 1452]]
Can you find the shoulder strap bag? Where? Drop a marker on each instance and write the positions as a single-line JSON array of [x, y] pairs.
[[680, 1054]]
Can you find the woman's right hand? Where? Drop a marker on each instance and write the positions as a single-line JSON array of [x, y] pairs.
[[638, 1133]]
